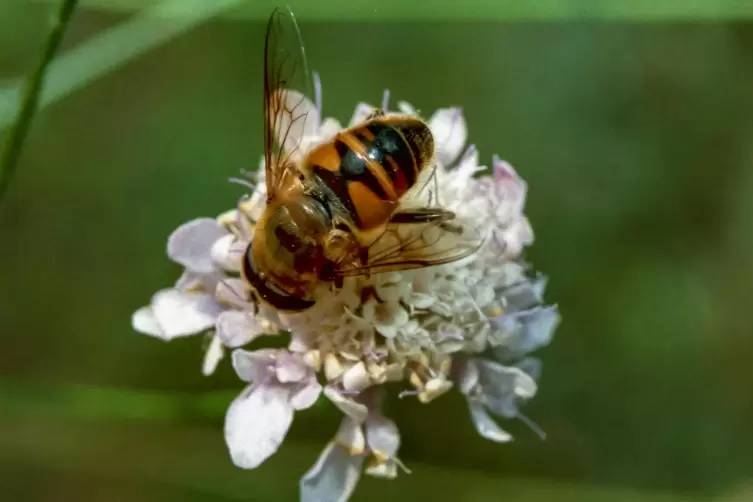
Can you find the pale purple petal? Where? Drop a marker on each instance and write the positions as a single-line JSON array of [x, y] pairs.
[[212, 356], [531, 366], [539, 327], [353, 409], [143, 321], [256, 366], [291, 367], [329, 128], [232, 292], [517, 236], [525, 294], [503, 172], [382, 436], [191, 244], [450, 133], [256, 424], [306, 394], [237, 328], [333, 477], [502, 386], [362, 111], [228, 251], [407, 108], [467, 375], [485, 425], [179, 313], [351, 436], [532, 329], [193, 281]]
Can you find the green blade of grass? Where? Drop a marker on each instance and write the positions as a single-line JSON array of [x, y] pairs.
[[342, 10], [22, 124]]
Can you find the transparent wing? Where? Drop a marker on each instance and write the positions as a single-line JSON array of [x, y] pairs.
[[405, 246], [286, 108]]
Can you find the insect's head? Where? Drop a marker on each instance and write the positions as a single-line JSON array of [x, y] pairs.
[[294, 232]]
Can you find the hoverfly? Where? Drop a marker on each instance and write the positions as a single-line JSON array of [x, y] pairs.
[[337, 211]]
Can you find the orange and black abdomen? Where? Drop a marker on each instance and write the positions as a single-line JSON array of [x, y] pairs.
[[370, 166]]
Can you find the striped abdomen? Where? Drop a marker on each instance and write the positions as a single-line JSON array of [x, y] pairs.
[[370, 166]]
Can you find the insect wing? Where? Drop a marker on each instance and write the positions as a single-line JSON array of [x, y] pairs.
[[288, 114], [405, 246]]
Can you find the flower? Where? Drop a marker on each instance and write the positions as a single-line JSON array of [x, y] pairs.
[[258, 419], [469, 325]]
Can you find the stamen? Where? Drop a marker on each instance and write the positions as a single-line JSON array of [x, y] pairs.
[[407, 393], [401, 465], [532, 425], [385, 100], [246, 183], [318, 94]]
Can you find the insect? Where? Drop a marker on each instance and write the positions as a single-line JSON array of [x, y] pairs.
[[337, 211]]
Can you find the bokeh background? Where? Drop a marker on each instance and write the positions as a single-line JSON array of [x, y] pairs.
[[635, 134]]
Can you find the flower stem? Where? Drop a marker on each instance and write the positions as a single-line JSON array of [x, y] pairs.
[[34, 85]]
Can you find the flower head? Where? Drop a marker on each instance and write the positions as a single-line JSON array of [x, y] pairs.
[[469, 325]]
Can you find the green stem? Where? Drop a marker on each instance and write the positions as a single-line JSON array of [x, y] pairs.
[[22, 124]]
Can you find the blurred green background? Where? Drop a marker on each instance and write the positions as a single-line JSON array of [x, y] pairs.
[[636, 139]]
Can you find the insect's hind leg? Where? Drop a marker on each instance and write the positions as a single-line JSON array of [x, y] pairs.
[[436, 216], [422, 215]]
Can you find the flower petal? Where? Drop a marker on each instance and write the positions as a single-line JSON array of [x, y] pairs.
[[355, 410], [329, 128], [525, 294], [531, 366], [333, 477], [450, 133], [498, 379], [190, 244], [227, 252], [407, 108], [256, 424], [485, 425], [503, 172], [350, 435], [291, 367], [362, 111], [529, 330], [143, 321], [467, 375], [382, 436], [212, 356], [237, 328], [356, 378], [232, 292], [255, 366], [305, 396], [179, 313]]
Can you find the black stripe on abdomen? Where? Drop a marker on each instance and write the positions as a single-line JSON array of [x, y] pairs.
[[389, 142]]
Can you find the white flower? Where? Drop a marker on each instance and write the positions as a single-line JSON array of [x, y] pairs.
[[468, 326], [258, 419], [493, 386], [375, 441]]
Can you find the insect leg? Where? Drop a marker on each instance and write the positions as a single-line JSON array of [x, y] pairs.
[[422, 215], [378, 112]]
